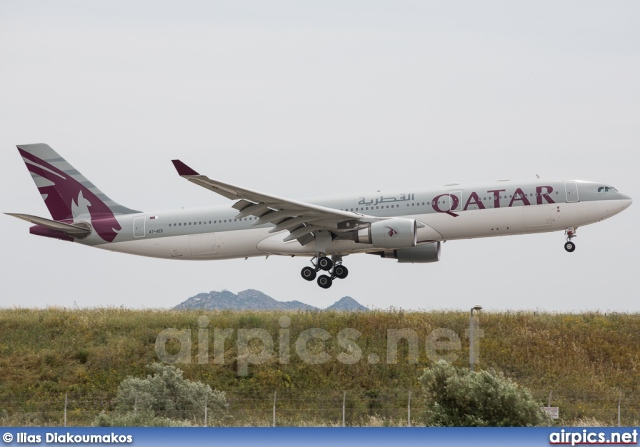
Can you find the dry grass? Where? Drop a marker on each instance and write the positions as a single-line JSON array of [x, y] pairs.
[[585, 360]]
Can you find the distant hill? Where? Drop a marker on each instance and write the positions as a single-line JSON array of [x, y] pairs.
[[347, 303], [256, 300]]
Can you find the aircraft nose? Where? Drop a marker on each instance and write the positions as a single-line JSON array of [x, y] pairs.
[[625, 202]]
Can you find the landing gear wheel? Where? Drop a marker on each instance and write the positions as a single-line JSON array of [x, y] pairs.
[[324, 281], [340, 271], [308, 273], [325, 263], [570, 246]]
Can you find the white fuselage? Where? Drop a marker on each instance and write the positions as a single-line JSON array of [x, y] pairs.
[[449, 213]]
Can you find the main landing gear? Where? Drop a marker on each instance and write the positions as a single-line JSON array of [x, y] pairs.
[[322, 262], [570, 233]]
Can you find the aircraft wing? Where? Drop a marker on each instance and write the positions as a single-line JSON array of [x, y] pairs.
[[299, 218]]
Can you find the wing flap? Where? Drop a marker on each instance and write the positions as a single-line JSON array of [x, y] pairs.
[[300, 232], [278, 216], [255, 209], [290, 224]]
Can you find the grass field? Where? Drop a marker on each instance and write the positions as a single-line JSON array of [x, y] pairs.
[[589, 362]]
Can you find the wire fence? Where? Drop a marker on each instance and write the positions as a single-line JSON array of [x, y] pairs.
[[315, 408]]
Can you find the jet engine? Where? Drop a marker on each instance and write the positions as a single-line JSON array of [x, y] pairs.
[[420, 254], [390, 233]]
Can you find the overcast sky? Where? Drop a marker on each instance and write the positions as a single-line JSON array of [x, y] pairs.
[[311, 98]]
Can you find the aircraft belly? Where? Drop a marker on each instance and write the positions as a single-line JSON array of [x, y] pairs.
[[578, 214], [537, 215], [169, 247], [239, 243], [478, 223], [204, 246], [275, 245], [591, 212]]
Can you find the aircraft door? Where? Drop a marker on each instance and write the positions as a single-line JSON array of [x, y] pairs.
[[572, 192], [138, 227]]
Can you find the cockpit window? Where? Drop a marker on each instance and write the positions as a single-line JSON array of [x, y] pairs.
[[607, 189]]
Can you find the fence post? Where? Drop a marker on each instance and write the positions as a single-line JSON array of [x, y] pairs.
[[344, 401], [619, 402], [205, 410], [65, 408], [274, 408], [550, 394], [409, 411]]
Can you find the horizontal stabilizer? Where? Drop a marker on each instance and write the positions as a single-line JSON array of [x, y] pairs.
[[71, 230]]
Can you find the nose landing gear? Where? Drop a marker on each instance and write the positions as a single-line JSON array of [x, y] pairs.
[[570, 233], [322, 262]]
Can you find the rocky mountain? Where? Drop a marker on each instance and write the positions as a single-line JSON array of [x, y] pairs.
[[347, 303], [256, 300]]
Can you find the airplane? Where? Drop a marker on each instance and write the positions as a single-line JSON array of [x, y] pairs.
[[408, 225]]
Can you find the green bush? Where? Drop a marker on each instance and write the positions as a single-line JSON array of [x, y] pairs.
[[165, 393], [457, 397]]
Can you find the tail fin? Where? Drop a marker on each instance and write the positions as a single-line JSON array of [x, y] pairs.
[[63, 188], [68, 194]]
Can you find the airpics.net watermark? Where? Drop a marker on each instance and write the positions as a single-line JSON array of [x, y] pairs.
[[257, 346]]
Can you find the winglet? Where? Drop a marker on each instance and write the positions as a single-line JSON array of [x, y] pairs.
[[183, 169]]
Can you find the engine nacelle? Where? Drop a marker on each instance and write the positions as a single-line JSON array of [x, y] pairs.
[[420, 254], [390, 233]]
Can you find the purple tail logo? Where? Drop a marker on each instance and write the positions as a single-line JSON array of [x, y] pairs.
[[66, 194], [392, 231]]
